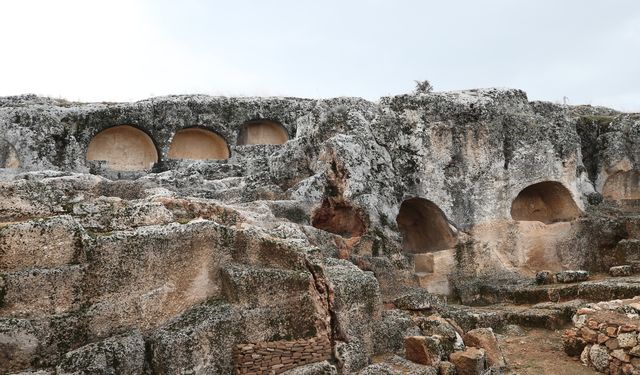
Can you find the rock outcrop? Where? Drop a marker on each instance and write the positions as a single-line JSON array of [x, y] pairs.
[[197, 234]]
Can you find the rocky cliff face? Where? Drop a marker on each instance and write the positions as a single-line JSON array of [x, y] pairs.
[[204, 266]]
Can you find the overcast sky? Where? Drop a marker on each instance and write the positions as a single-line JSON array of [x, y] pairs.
[[587, 51]]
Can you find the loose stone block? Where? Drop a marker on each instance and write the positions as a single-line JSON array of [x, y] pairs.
[[422, 350], [471, 361], [485, 339], [544, 278], [619, 271], [572, 276]]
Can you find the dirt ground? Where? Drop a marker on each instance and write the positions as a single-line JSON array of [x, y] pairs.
[[539, 352]]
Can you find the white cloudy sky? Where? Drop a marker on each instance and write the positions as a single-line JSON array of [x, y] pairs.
[[588, 50]]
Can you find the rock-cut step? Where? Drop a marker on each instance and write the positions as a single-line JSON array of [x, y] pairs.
[[520, 293], [548, 315]]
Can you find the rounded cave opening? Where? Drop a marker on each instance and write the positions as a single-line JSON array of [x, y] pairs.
[[547, 202], [262, 132], [8, 156], [339, 217], [622, 185], [424, 227], [124, 148], [198, 144]]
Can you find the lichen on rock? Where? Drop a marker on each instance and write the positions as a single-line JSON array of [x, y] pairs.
[[308, 236]]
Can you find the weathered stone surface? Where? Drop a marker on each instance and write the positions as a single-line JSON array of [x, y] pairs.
[[449, 337], [446, 368], [612, 344], [485, 339], [627, 340], [418, 299], [320, 368], [588, 334], [390, 332], [197, 340], [513, 330], [544, 277], [599, 357], [19, 344], [115, 355], [621, 355], [572, 276], [106, 214], [205, 255], [41, 292], [471, 361], [357, 309], [619, 271], [253, 287], [42, 243], [425, 350], [396, 365], [351, 356], [584, 356]]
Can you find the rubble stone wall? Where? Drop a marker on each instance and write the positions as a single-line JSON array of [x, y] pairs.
[[606, 337], [279, 356]]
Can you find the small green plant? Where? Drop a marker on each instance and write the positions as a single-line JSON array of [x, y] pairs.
[[423, 87]]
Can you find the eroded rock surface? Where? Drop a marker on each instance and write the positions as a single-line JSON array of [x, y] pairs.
[[299, 236]]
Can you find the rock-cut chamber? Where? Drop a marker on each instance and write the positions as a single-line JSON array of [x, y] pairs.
[[338, 217], [198, 144], [547, 202], [424, 227], [622, 185], [8, 155], [262, 132], [124, 148]]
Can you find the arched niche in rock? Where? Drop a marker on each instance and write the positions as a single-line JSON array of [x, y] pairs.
[[262, 132], [198, 144], [547, 201], [124, 148], [338, 217], [8, 155], [424, 227], [622, 185]]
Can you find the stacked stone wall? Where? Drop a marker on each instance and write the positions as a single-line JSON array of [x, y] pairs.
[[279, 356], [606, 337]]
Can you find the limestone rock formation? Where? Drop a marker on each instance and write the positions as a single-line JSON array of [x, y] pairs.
[[198, 234]]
